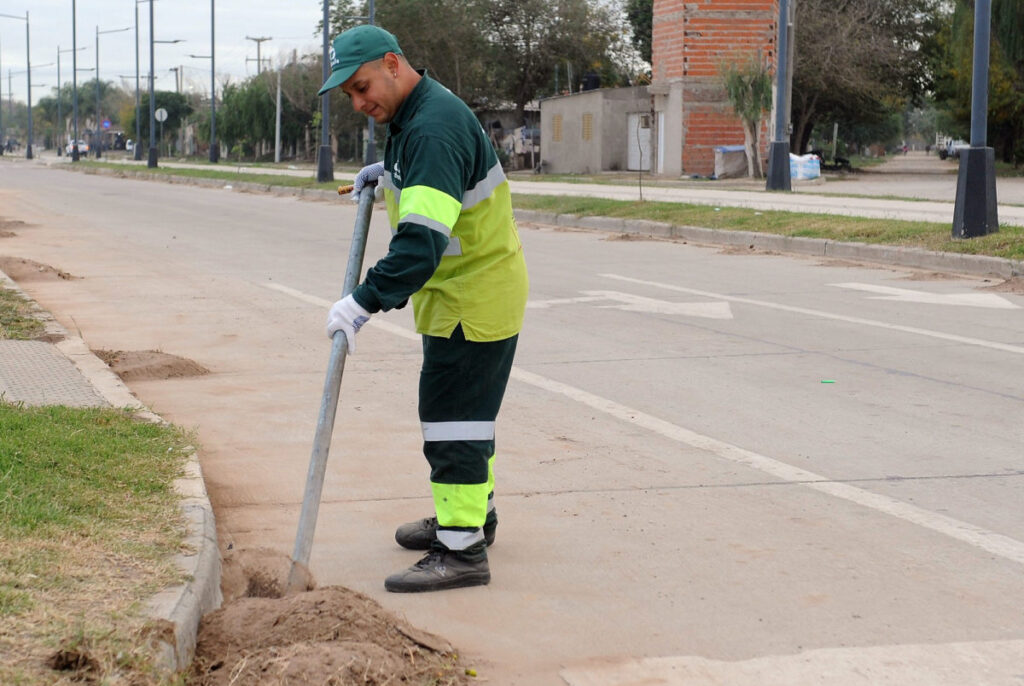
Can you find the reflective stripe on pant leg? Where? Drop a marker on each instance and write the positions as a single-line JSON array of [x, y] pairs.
[[461, 387]]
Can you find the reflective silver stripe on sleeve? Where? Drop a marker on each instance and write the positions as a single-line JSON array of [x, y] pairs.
[[457, 431], [459, 540], [483, 190], [427, 222], [454, 248]]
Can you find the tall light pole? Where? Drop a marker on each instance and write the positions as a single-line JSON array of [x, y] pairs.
[[2, 139], [99, 125], [214, 148], [137, 153], [60, 115], [976, 212], [778, 153], [153, 153], [28, 64], [324, 159]]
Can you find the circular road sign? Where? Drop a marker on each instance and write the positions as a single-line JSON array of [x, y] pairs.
[[106, 123], [161, 115]]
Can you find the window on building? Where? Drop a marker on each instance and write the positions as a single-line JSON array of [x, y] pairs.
[[556, 128], [588, 126]]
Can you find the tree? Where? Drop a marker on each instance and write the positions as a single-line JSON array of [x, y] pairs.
[[488, 51], [640, 14], [858, 61], [952, 53], [749, 88]]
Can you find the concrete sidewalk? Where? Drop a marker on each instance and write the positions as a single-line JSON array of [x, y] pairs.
[[60, 369]]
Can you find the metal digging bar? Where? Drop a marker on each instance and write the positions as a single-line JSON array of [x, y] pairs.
[[329, 404]]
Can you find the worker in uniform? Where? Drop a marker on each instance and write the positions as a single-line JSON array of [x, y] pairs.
[[455, 251]]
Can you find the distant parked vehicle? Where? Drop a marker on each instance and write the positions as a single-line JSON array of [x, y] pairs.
[[953, 148], [129, 145], [83, 147]]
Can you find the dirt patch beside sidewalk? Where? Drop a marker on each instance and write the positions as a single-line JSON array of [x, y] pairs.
[[148, 365], [21, 269], [331, 635]]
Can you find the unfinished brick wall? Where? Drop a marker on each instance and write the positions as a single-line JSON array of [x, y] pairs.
[[691, 39]]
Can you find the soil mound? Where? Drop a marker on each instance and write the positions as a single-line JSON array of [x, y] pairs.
[[1012, 285], [148, 365], [21, 269], [331, 635]]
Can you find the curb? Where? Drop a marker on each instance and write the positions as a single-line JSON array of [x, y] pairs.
[[974, 265], [183, 605], [917, 258]]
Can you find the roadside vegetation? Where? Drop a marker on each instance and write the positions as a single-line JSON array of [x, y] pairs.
[[223, 172], [16, 319], [1008, 242], [89, 526]]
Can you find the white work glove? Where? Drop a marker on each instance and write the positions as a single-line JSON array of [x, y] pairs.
[[349, 316], [367, 175]]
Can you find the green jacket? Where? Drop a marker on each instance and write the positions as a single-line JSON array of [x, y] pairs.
[[455, 247]]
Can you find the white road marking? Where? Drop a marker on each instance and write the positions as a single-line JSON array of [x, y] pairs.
[[992, 345], [545, 304], [638, 303], [983, 539], [989, 300], [981, 663]]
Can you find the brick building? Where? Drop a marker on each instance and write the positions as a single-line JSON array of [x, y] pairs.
[[691, 39]]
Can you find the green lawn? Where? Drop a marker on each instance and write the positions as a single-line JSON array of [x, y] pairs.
[[1008, 242]]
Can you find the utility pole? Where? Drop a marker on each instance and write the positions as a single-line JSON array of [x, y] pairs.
[[976, 212], [259, 42]]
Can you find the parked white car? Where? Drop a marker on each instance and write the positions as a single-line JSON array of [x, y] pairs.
[[83, 147]]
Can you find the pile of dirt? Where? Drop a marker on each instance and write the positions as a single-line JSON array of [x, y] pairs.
[[21, 269], [331, 635], [1012, 285], [7, 224], [148, 365]]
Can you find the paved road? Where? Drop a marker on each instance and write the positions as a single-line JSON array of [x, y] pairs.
[[713, 468]]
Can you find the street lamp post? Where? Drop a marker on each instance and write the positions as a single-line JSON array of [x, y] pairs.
[[976, 211], [60, 102], [28, 64], [325, 162], [778, 152], [99, 126], [1, 103], [214, 147]]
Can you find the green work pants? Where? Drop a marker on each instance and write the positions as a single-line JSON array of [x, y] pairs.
[[461, 386]]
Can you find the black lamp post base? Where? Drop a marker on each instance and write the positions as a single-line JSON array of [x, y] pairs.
[[324, 165], [153, 156], [214, 153], [976, 212], [779, 178], [28, 151]]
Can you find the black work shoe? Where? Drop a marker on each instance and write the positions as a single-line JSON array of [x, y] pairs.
[[420, 534], [442, 569]]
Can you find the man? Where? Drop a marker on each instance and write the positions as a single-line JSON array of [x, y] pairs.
[[455, 251]]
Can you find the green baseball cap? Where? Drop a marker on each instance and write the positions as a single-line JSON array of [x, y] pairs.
[[354, 48]]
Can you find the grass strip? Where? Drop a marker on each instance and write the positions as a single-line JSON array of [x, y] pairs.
[[1008, 242], [17, 321], [222, 174], [89, 525]]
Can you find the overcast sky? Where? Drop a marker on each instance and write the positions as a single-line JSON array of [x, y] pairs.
[[291, 23]]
